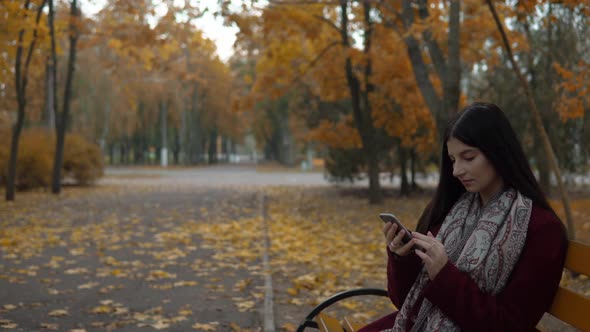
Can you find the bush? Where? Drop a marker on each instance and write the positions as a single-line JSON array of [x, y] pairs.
[[35, 159], [34, 166], [82, 160]]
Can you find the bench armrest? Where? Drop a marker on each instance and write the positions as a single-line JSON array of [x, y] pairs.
[[308, 321]]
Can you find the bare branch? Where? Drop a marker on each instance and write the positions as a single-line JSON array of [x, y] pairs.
[[538, 122], [32, 45], [386, 5], [327, 21], [315, 60]]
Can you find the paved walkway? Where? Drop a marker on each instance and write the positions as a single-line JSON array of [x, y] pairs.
[[230, 175], [133, 258]]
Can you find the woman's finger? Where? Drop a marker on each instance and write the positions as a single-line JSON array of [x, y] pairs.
[[424, 244], [391, 233], [406, 248], [386, 227], [397, 240], [421, 236], [424, 257]]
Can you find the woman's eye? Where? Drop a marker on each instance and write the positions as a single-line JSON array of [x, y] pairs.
[[469, 158]]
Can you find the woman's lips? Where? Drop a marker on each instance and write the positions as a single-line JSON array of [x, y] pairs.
[[466, 182]]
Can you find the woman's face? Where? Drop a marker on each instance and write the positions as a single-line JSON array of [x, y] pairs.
[[473, 169]]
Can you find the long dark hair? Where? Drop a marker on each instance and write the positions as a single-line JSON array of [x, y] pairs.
[[484, 126]]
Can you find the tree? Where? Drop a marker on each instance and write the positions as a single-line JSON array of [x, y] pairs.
[[21, 75], [62, 117], [538, 123]]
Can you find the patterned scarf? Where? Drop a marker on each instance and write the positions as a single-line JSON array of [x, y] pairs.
[[485, 242]]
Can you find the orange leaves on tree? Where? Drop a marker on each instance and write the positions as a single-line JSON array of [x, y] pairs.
[[337, 135], [573, 90]]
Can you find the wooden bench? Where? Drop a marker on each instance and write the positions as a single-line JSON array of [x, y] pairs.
[[568, 306]]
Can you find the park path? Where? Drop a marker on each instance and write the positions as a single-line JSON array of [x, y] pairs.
[[135, 256]]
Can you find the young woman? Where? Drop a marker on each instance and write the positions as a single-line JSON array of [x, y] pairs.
[[493, 250]]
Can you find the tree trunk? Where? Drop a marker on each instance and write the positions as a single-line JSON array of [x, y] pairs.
[[360, 106], [452, 90], [539, 124], [164, 133], [196, 140], [49, 113], [224, 148], [403, 163], [52, 66], [112, 153], [21, 77], [105, 126], [62, 122], [448, 71], [413, 169], [213, 146], [420, 69], [122, 154]]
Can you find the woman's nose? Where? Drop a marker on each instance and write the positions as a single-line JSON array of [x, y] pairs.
[[458, 170]]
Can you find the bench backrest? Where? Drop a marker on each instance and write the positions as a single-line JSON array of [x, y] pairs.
[[568, 306]]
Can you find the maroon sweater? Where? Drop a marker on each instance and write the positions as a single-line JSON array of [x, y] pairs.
[[518, 307]]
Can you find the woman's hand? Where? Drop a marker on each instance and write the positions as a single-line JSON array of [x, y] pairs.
[[434, 255], [393, 239]]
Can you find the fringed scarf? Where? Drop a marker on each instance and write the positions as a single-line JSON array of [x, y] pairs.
[[485, 242]]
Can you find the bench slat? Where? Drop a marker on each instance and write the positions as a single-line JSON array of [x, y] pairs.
[[351, 325], [571, 308], [328, 323], [578, 257]]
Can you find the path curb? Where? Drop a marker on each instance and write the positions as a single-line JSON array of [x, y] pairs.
[[269, 323]]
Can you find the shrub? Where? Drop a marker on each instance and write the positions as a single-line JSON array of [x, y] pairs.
[[82, 159], [35, 159]]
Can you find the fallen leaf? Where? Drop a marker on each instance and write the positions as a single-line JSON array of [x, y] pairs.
[[212, 326], [49, 326], [103, 309], [88, 285], [289, 327], [160, 325], [59, 313], [9, 307], [245, 306]]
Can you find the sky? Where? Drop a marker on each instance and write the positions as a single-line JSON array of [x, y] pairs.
[[213, 28]]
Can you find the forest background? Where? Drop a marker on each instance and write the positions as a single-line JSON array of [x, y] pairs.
[[364, 85]]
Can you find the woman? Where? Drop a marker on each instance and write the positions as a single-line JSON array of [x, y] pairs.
[[493, 249]]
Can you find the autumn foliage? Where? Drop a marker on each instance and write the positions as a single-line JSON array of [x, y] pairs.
[[83, 161]]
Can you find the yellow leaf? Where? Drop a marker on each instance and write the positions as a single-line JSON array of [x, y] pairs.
[[160, 325], [59, 313], [246, 305], [88, 285], [103, 309], [206, 327], [49, 326]]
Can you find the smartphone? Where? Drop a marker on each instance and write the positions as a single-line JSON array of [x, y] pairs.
[[388, 217]]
